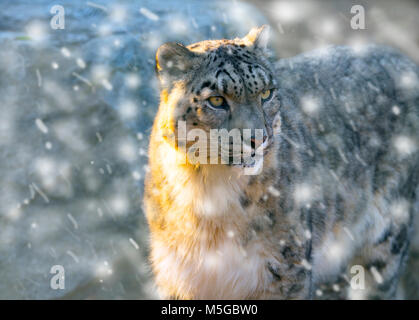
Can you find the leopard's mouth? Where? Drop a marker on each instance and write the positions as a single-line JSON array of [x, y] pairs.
[[254, 155]]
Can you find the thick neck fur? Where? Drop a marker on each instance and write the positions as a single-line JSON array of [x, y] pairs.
[[199, 201], [198, 212]]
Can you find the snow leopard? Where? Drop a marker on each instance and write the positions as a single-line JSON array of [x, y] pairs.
[[328, 215]]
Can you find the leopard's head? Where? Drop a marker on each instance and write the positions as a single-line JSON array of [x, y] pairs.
[[221, 84]]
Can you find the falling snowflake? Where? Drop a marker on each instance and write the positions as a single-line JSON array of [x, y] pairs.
[[404, 145], [37, 31], [148, 14], [303, 193], [310, 105]]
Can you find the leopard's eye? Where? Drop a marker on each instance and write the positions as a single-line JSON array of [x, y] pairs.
[[266, 95], [216, 102]]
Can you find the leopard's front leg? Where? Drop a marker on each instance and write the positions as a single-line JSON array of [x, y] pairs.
[[289, 272]]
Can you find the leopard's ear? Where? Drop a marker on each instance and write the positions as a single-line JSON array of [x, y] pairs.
[[259, 37], [173, 60]]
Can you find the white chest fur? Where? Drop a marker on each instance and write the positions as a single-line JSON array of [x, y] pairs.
[[227, 272]]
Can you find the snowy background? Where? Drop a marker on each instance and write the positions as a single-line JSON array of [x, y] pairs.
[[76, 108]]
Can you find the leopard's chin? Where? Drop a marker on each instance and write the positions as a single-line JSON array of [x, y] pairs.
[[253, 167]]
